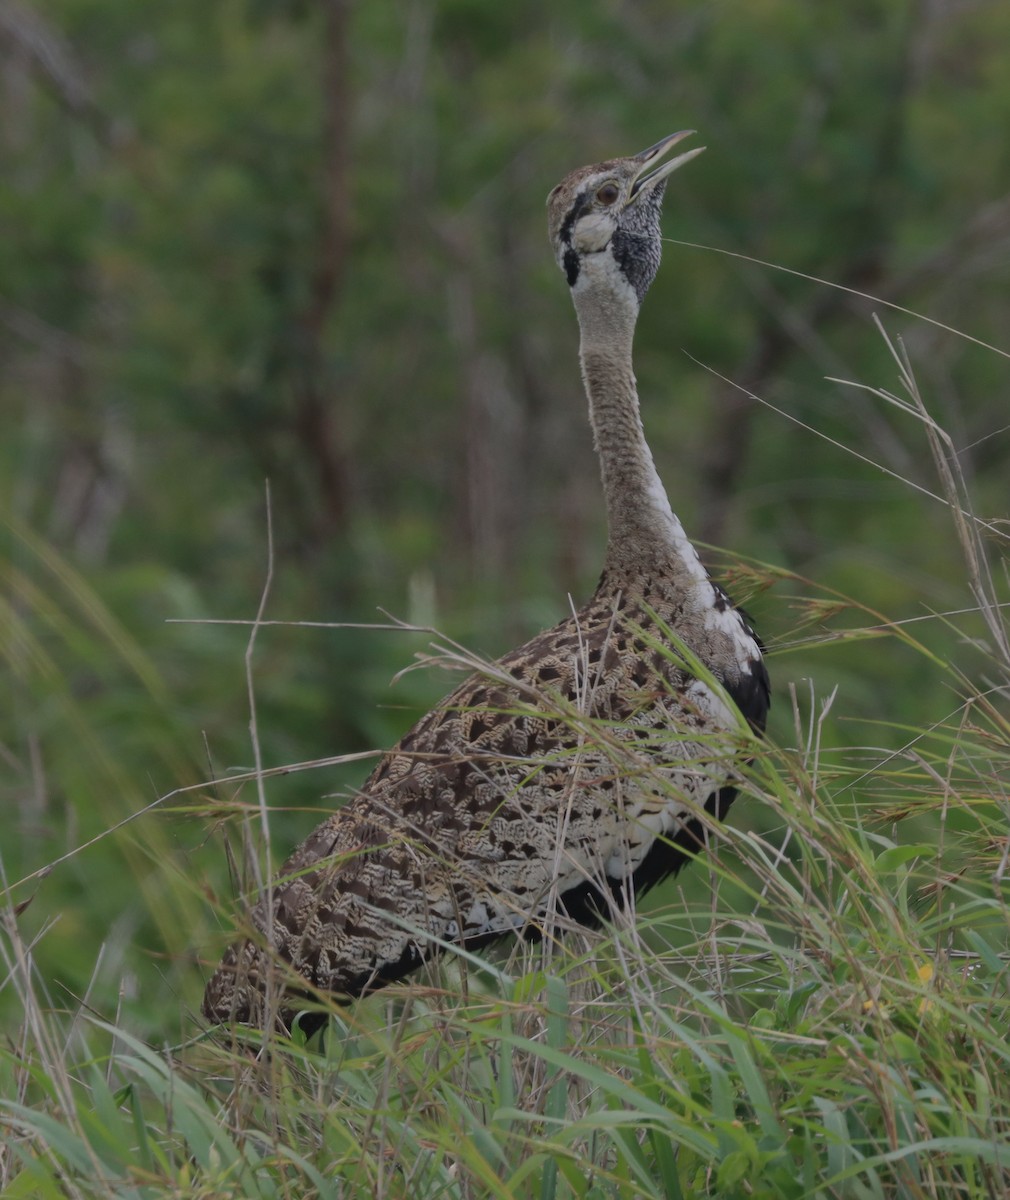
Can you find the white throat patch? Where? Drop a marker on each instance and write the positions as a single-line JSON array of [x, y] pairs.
[[592, 232]]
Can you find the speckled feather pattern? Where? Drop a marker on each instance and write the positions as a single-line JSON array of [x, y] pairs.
[[574, 773], [493, 815]]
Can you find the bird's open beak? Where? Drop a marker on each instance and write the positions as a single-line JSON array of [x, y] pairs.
[[645, 182]]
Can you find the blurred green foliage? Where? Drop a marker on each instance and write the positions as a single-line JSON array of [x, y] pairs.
[[304, 243]]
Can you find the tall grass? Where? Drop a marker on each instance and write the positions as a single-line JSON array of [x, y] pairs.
[[816, 1008]]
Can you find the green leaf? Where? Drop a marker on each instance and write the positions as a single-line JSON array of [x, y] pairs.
[[897, 856]]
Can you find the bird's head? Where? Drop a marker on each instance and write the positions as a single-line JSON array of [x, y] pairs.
[[603, 220]]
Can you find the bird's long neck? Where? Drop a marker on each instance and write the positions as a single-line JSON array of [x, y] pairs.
[[644, 535]]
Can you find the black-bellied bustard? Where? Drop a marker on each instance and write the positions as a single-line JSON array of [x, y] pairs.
[[498, 812]]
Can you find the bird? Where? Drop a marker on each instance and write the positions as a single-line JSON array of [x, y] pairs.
[[577, 770]]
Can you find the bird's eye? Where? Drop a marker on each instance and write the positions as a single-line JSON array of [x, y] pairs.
[[608, 194]]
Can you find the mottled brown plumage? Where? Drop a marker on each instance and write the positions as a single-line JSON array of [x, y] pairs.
[[572, 774]]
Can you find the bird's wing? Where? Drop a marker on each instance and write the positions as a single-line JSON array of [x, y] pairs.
[[550, 778]]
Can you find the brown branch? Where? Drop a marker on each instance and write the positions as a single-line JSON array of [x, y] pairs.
[[316, 424], [49, 51]]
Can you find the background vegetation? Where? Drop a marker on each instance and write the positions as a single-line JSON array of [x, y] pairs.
[[304, 243]]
